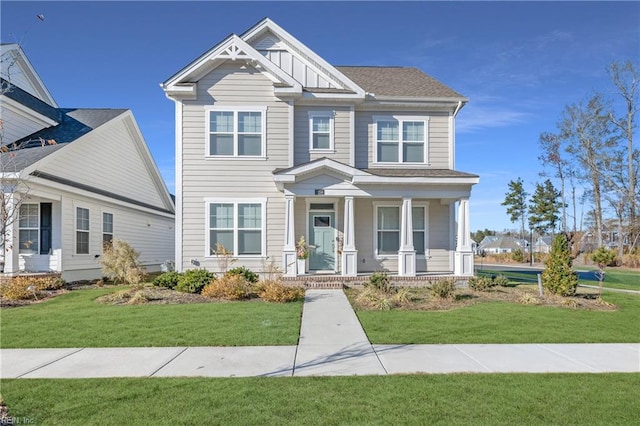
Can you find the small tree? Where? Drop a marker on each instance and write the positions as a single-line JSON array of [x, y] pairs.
[[516, 202], [558, 277], [603, 258], [544, 208], [120, 263]]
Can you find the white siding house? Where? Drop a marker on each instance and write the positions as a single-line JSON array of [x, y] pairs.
[[74, 179], [273, 143]]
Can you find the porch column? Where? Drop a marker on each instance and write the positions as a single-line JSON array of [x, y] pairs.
[[407, 253], [289, 253], [349, 252], [464, 254], [11, 243]]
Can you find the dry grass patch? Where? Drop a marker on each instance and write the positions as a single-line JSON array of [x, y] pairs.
[[150, 295]]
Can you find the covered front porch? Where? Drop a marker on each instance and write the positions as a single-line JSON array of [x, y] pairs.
[[355, 221]]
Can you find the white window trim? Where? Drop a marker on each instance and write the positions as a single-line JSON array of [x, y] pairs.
[[29, 228], [113, 225], [398, 204], [400, 119], [330, 115], [235, 110], [75, 227], [235, 202]]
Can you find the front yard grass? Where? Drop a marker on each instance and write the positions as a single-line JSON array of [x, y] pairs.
[[627, 279], [76, 320], [418, 399], [501, 322]]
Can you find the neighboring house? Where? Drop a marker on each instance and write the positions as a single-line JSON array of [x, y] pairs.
[[274, 144], [543, 244], [496, 244], [79, 177]]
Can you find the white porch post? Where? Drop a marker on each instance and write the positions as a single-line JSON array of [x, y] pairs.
[[407, 253], [289, 253], [11, 248], [349, 252], [464, 254]]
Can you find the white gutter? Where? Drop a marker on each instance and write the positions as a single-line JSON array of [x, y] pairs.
[[457, 109]]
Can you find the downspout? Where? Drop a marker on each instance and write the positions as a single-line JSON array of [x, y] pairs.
[[457, 109]]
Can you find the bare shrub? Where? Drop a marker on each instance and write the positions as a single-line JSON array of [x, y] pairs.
[[120, 263]]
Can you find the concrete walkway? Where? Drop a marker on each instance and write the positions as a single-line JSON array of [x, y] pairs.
[[332, 343]]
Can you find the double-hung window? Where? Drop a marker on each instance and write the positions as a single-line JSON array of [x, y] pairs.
[[321, 131], [82, 230], [388, 229], [29, 228], [107, 228], [236, 133], [236, 226], [401, 140]]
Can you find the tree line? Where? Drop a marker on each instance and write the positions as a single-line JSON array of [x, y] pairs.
[[592, 148]]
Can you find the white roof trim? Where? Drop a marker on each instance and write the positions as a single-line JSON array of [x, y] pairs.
[[268, 24], [31, 73], [232, 48], [326, 163]]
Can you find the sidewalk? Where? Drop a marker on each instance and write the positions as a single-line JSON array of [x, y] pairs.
[[332, 343]]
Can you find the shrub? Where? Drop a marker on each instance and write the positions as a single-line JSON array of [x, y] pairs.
[[481, 283], [193, 280], [517, 256], [228, 287], [248, 275], [120, 263], [379, 281], [372, 298], [528, 299], [631, 260], [168, 279], [604, 257], [443, 289], [275, 291], [20, 288], [501, 281], [558, 277]]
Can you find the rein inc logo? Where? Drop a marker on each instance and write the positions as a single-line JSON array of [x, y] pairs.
[[17, 421]]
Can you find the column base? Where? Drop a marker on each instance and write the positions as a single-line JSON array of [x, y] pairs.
[[289, 260], [407, 263], [463, 266], [349, 263]]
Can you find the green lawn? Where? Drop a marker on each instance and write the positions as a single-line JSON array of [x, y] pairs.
[[76, 320], [499, 322], [419, 399], [628, 279]]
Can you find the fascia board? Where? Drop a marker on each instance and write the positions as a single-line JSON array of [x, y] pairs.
[[373, 179], [25, 111]]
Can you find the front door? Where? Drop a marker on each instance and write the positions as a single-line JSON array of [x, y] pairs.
[[322, 241]]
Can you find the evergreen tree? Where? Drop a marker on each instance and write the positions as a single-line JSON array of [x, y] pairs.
[[544, 209], [516, 203], [558, 277]]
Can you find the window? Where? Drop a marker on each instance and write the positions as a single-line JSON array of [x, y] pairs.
[[82, 230], [107, 228], [236, 133], [388, 229], [401, 140], [320, 131], [29, 229], [237, 226]]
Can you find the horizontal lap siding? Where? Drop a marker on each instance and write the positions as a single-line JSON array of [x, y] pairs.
[[438, 141], [341, 134], [107, 159], [17, 126], [439, 237], [234, 178]]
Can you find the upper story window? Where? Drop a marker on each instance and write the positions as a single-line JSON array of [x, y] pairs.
[[321, 131], [236, 132], [400, 140]]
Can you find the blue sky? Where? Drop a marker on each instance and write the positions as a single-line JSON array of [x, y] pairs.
[[520, 63]]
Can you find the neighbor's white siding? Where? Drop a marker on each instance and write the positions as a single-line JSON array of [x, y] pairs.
[[108, 159], [17, 125], [231, 178]]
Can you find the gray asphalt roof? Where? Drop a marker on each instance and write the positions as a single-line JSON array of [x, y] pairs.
[[401, 172], [397, 81]]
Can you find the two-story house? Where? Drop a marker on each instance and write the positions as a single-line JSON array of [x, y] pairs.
[[274, 143]]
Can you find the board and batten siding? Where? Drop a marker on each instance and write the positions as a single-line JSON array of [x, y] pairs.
[[107, 159], [231, 85], [341, 134], [437, 141], [150, 234]]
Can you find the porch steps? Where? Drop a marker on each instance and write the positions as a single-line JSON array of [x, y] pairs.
[[339, 282]]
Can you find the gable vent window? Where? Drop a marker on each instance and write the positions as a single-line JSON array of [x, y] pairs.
[[236, 133]]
